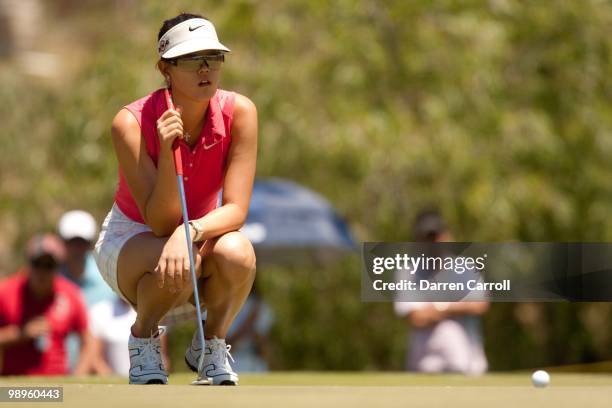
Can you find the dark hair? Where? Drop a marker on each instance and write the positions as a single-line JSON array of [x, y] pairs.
[[171, 22], [428, 225]]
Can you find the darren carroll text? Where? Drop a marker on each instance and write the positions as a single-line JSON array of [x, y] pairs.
[[425, 285]]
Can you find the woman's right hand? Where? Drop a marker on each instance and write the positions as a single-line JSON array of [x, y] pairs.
[[173, 270], [170, 126]]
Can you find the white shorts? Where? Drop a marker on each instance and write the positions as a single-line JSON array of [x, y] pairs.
[[116, 230]]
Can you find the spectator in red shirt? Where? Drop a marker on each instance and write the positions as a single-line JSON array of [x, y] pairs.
[[38, 309]]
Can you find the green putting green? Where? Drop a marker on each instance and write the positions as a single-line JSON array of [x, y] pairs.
[[320, 390]]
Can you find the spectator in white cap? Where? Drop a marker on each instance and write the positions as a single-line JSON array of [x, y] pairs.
[[78, 229]]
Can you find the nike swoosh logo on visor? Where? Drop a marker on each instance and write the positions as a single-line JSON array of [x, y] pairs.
[[193, 29]]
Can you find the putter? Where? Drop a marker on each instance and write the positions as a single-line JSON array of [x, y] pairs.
[[178, 166]]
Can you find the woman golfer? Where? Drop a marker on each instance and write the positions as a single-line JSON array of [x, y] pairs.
[[142, 249]]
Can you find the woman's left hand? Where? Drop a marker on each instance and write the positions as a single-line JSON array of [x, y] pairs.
[[173, 270]]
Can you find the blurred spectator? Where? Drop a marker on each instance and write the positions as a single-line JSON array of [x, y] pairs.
[[248, 334], [110, 323], [444, 336], [78, 230], [38, 309]]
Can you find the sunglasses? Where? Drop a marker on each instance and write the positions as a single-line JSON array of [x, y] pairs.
[[212, 62]]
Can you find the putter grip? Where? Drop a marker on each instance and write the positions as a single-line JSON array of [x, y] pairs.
[[178, 161], [176, 150]]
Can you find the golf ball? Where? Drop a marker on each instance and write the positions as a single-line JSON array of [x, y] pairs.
[[540, 378]]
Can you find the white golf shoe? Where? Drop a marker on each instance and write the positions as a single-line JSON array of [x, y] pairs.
[[216, 364], [146, 365]]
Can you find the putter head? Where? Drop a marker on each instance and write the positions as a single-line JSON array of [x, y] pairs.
[[202, 381]]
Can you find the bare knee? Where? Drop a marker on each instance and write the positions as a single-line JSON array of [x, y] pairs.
[[234, 254]]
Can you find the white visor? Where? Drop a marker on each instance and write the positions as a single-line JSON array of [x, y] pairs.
[[196, 34]]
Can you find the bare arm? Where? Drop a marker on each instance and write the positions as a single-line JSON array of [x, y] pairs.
[[468, 308], [239, 175], [10, 335], [154, 189], [98, 364], [13, 334], [86, 358], [431, 315]]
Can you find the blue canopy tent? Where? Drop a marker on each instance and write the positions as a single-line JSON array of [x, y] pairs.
[[289, 224]]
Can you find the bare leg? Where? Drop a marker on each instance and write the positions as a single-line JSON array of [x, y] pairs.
[[137, 259], [229, 272]]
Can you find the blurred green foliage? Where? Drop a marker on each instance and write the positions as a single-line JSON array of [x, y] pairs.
[[499, 112]]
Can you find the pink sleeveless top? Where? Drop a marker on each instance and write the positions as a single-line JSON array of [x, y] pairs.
[[203, 166]]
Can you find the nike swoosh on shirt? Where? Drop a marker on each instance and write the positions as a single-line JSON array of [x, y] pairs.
[[193, 29]]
